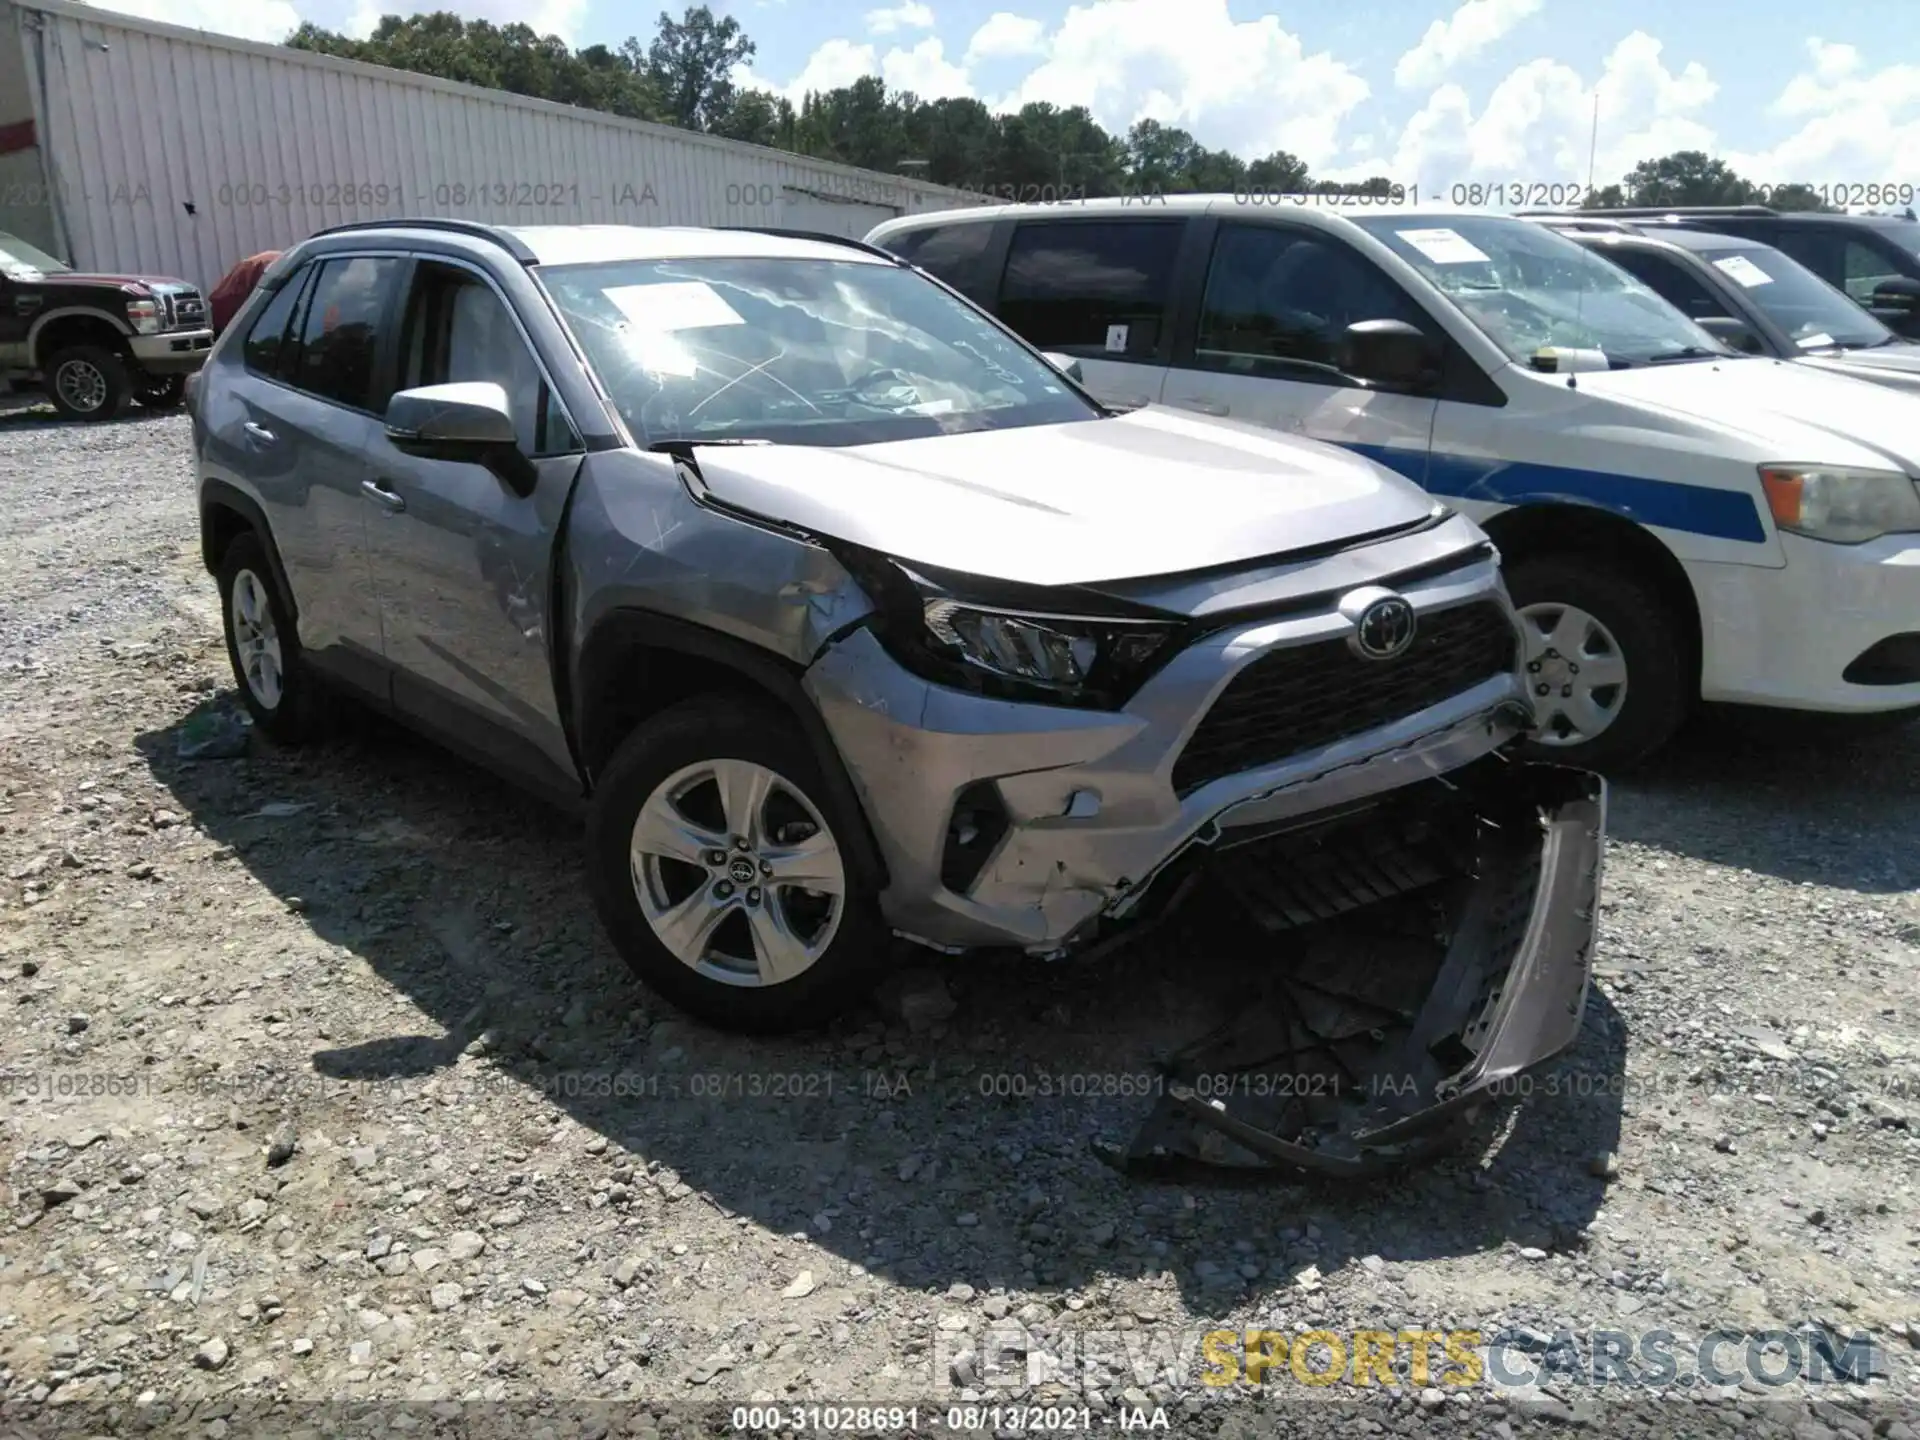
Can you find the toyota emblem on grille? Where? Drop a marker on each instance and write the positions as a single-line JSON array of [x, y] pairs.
[[1384, 623]]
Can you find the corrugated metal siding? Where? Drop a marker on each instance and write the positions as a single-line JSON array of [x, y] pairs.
[[267, 145]]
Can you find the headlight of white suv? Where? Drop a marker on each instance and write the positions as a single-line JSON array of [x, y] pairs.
[[1845, 506]]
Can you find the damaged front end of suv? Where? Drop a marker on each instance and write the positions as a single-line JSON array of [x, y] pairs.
[[1408, 959], [1310, 769]]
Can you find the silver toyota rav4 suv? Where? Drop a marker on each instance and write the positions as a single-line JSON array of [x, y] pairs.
[[846, 615]]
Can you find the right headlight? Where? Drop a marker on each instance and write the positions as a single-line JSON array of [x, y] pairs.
[[1840, 504]]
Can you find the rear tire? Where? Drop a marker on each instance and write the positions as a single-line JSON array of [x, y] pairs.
[[277, 686], [701, 917], [88, 382], [1610, 655]]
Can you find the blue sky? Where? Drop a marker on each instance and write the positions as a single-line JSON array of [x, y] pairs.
[[1427, 92]]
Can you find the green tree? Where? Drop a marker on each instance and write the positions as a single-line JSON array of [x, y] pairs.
[[1687, 177], [691, 63], [1278, 174]]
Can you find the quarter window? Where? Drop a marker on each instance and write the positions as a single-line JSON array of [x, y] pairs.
[[1276, 295], [265, 349], [1091, 288], [339, 338]]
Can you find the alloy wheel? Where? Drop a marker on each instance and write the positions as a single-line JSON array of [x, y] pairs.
[[737, 873], [256, 640]]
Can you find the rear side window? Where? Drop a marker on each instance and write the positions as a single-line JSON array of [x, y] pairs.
[[952, 253], [1669, 280], [1095, 288], [340, 335], [266, 349]]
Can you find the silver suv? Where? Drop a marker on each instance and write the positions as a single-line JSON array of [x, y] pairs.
[[845, 614]]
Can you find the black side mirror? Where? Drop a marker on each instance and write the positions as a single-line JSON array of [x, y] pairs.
[[1899, 295], [470, 422], [1729, 331], [1388, 352]]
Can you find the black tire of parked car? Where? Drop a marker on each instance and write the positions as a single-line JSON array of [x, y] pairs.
[[722, 727], [294, 717], [88, 382], [1644, 627], [160, 392]]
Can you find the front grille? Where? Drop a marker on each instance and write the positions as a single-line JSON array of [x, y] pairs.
[[186, 311], [1299, 699]]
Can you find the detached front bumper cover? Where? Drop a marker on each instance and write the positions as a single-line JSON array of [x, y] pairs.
[[1410, 961]]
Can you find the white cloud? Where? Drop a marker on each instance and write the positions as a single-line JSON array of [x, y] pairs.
[[1476, 25], [1006, 35], [1249, 87], [268, 20], [909, 15], [834, 64], [925, 70], [1537, 126], [1857, 126]]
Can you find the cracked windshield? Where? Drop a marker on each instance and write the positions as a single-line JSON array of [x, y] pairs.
[[805, 352], [1529, 290]]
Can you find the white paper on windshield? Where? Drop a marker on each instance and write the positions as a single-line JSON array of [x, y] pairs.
[[1814, 342], [1739, 267], [663, 309], [1117, 339], [1444, 247]]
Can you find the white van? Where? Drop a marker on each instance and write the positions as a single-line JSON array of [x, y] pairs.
[[1678, 521]]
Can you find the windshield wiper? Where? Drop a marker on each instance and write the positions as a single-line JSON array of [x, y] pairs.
[[1688, 352], [687, 442]]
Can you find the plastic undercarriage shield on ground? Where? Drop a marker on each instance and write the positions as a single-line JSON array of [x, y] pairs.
[[1403, 961]]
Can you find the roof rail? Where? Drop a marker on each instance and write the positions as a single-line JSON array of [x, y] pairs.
[[823, 236], [475, 228], [1661, 211], [1573, 220]]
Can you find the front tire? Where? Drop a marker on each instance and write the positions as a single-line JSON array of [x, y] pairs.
[[276, 685], [722, 869], [1607, 669], [88, 382]]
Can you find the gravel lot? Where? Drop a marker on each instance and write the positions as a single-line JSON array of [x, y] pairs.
[[304, 1097]]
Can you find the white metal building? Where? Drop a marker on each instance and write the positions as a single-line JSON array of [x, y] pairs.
[[127, 145]]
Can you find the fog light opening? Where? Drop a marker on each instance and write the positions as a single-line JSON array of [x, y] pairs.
[[975, 829]]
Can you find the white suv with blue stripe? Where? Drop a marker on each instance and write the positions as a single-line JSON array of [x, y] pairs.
[[1679, 521]]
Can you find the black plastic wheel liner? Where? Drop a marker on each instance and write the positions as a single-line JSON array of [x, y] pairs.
[[1405, 963]]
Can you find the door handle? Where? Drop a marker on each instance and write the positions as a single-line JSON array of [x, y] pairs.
[[258, 432], [377, 491], [1205, 407]]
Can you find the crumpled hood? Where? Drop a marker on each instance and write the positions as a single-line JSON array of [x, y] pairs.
[[1151, 492], [1785, 410]]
